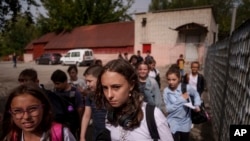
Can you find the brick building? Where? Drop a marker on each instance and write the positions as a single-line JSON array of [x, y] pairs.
[[167, 34]]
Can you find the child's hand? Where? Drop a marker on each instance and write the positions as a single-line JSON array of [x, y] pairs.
[[197, 109], [185, 95]]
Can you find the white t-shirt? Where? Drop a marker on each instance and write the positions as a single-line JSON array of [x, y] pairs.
[[79, 82], [153, 74], [193, 81], [142, 133]]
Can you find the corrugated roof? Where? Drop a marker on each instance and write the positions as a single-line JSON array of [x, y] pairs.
[[30, 45], [45, 38], [102, 35]]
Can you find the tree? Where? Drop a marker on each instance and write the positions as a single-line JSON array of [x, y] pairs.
[[19, 34], [9, 10], [67, 14], [158, 5], [243, 12], [222, 11]]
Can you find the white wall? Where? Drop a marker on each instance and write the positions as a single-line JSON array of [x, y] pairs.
[[159, 32], [27, 57]]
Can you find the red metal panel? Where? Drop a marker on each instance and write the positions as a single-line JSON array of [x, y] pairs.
[[146, 48], [38, 50]]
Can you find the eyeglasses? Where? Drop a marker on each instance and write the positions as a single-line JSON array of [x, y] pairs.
[[32, 111]]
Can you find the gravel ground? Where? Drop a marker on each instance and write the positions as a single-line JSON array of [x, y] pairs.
[[9, 75]]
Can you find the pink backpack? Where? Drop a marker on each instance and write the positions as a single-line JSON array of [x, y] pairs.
[[57, 132]]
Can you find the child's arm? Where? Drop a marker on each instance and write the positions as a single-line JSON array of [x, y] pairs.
[[85, 122]]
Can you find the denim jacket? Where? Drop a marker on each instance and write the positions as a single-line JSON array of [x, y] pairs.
[[179, 116], [152, 92]]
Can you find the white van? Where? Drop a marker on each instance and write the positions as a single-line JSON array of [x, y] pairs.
[[78, 57]]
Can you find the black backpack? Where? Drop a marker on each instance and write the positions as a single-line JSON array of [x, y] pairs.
[[63, 108], [196, 117], [68, 98], [59, 108], [157, 78]]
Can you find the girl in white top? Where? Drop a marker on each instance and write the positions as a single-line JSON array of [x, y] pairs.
[[153, 72], [117, 90]]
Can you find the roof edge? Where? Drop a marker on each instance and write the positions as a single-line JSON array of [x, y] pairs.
[[186, 8], [178, 9]]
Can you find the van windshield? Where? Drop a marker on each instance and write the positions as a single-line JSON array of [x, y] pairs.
[[67, 55]]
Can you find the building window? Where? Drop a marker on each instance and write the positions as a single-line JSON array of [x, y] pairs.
[[144, 22], [146, 48]]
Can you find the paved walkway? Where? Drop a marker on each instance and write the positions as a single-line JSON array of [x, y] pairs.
[[202, 132]]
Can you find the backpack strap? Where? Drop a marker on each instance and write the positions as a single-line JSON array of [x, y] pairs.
[[57, 132], [13, 136], [183, 88], [72, 99], [150, 118]]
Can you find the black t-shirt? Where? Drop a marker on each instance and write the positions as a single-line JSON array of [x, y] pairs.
[[98, 115]]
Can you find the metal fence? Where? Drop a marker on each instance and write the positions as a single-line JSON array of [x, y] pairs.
[[227, 74]]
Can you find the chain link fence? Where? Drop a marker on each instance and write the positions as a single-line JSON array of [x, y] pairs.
[[227, 74]]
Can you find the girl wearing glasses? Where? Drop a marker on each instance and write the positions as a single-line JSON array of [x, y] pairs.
[[28, 117]]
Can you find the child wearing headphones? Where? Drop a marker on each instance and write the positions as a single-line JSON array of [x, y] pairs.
[[118, 91]]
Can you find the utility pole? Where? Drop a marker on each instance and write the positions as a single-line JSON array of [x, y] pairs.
[[233, 18]]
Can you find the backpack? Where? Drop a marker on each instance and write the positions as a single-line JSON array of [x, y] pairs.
[[64, 108], [150, 118], [57, 132], [196, 117], [59, 106], [157, 78], [71, 120]]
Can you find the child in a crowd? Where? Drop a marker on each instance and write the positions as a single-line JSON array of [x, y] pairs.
[[181, 63], [28, 117], [98, 115], [117, 90], [148, 86], [79, 83], [73, 97], [179, 113], [195, 79], [153, 72]]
